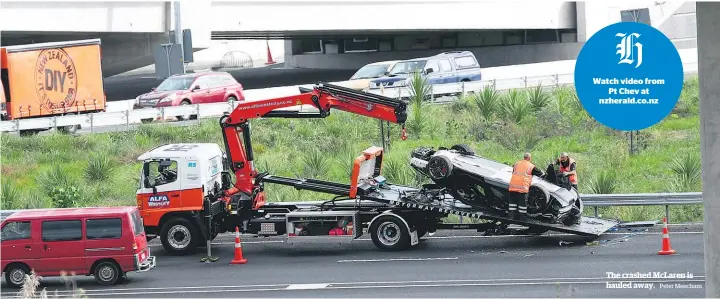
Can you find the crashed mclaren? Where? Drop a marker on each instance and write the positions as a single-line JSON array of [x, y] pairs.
[[483, 184]]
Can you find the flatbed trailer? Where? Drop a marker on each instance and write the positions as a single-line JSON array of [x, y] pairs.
[[393, 218]]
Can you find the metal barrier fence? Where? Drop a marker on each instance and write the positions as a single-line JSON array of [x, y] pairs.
[[122, 114], [642, 199]]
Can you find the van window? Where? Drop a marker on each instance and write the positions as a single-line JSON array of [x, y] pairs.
[[62, 230], [465, 62], [16, 230], [137, 223], [103, 228]]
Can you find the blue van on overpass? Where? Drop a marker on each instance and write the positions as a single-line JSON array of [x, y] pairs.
[[443, 68]]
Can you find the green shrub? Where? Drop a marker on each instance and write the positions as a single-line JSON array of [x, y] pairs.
[[65, 196], [10, 195], [539, 98], [688, 172], [420, 91], [488, 102], [603, 182], [516, 106], [99, 168]]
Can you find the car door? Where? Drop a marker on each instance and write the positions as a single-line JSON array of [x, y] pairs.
[[218, 88], [62, 246], [201, 91], [446, 72], [18, 244], [104, 239], [435, 76]]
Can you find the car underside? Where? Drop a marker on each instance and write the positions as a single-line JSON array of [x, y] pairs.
[[483, 184]]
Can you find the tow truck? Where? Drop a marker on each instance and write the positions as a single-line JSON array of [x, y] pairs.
[[187, 196]]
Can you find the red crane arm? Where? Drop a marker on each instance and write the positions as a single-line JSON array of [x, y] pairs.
[[324, 97]]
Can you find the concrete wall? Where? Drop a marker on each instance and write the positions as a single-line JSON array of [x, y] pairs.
[[349, 15], [53, 16], [487, 56], [237, 51], [681, 27], [592, 16]]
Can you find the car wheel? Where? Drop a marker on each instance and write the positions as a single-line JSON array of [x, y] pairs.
[[232, 99], [107, 273], [389, 233], [15, 275], [185, 117], [463, 149], [439, 167], [69, 129], [179, 236]]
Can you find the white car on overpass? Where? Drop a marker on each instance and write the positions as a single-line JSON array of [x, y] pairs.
[[361, 79]]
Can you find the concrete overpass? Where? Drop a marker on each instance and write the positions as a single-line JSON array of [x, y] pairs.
[[343, 34]]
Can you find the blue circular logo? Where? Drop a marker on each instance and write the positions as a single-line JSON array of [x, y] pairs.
[[629, 76]]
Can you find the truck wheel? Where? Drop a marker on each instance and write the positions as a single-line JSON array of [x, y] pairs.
[[15, 275], [390, 233], [107, 273], [179, 236]]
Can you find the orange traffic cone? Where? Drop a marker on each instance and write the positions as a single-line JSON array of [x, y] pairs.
[[666, 249], [239, 259], [269, 55]]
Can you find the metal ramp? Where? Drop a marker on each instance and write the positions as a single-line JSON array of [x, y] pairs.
[[588, 226]]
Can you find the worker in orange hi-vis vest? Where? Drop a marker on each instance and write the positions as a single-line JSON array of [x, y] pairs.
[[519, 188], [568, 169]]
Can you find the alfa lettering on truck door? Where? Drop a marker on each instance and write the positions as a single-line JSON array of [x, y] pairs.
[[158, 201], [56, 80]]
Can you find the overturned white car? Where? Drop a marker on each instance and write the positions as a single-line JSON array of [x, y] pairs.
[[483, 184]]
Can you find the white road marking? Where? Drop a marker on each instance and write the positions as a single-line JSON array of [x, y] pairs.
[[399, 260], [367, 285], [307, 286]]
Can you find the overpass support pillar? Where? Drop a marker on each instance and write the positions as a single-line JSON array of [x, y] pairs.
[[708, 41]]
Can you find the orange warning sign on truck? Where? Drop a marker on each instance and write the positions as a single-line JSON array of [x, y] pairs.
[[52, 79]]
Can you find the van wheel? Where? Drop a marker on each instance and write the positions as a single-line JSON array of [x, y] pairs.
[[15, 275], [107, 273], [179, 236], [389, 233]]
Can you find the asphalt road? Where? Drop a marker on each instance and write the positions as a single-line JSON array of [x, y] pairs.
[[449, 264], [129, 87]]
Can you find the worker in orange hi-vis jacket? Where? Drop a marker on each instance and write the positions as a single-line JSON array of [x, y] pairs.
[[568, 168], [519, 188]]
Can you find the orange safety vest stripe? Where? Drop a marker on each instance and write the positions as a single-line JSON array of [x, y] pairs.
[[573, 177], [521, 177]]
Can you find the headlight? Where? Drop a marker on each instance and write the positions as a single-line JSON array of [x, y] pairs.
[[166, 99]]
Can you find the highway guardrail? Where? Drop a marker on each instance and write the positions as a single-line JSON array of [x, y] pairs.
[[122, 115], [642, 199]]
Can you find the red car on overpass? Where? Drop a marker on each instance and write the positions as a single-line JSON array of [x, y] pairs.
[[195, 88]]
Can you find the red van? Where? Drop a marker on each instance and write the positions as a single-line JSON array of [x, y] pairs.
[[104, 242]]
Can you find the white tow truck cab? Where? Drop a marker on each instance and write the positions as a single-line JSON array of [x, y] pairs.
[[177, 177]]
